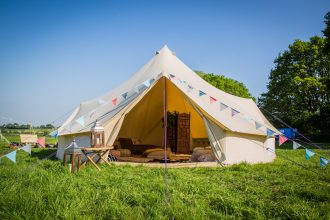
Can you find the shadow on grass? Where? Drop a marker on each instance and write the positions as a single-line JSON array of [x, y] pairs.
[[43, 153]]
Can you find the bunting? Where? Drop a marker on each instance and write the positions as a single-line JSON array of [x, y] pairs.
[[101, 102], [190, 87], [172, 76], [295, 145], [234, 112], [124, 95], [309, 154], [323, 161], [114, 101], [54, 134], [223, 106], [246, 118], [81, 121], [270, 133], [147, 83], [281, 139], [258, 125], [27, 148], [136, 89], [212, 99], [201, 93], [41, 141], [12, 156]]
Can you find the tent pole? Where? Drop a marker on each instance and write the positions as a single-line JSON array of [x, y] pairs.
[[165, 138]]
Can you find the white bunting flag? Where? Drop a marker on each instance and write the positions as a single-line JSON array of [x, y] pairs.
[[81, 121], [27, 148], [295, 145]]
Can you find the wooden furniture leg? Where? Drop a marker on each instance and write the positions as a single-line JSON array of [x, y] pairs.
[[106, 161], [64, 160], [92, 161], [72, 162], [79, 161]]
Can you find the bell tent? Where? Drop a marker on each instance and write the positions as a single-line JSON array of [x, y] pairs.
[[234, 127]]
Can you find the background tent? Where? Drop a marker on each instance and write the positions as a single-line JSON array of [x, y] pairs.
[[235, 127]]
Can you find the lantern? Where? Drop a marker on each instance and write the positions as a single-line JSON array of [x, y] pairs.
[[97, 135]]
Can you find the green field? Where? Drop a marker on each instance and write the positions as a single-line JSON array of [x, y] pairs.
[[35, 189]]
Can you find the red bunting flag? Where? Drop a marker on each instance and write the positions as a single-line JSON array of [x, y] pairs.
[[41, 141], [114, 101], [282, 139], [212, 99]]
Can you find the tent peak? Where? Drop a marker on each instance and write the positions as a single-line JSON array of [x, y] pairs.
[[164, 50]]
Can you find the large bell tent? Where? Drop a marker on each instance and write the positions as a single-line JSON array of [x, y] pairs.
[[235, 127]]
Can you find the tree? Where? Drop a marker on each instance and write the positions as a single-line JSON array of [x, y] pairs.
[[226, 84], [298, 88], [326, 32]]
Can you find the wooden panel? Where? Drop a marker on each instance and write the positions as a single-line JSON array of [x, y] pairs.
[[183, 133]]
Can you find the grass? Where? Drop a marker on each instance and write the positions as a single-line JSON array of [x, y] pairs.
[[278, 190]]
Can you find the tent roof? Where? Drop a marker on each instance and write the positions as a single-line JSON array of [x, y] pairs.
[[164, 63]]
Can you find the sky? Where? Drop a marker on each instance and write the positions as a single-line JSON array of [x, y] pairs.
[[56, 54]]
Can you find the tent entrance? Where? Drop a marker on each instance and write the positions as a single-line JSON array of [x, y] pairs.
[[142, 130]]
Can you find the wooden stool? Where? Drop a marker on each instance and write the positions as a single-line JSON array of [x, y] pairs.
[[72, 160]]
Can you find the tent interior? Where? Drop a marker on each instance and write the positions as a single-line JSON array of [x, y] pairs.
[[142, 131]]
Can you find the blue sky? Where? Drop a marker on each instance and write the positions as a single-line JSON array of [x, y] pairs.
[[55, 54]]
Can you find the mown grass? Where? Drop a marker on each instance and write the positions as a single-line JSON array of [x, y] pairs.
[[32, 189]]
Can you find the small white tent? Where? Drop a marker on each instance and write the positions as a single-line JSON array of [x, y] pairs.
[[234, 126]]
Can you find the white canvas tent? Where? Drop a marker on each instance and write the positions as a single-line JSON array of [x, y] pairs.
[[136, 110]]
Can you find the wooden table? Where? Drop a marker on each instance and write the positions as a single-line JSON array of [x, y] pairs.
[[91, 152]]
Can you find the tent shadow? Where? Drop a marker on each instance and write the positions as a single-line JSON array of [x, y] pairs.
[[43, 153]]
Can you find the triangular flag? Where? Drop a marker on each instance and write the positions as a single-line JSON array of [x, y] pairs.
[[212, 99], [172, 76], [81, 121], [54, 134], [282, 139], [270, 133], [201, 93], [27, 148], [258, 125], [146, 83], [309, 154], [101, 102], [114, 101], [295, 145], [190, 87], [223, 106], [41, 141], [323, 161], [234, 112], [246, 118], [136, 89], [124, 95], [12, 156]]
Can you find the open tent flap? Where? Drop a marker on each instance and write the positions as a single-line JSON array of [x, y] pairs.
[[144, 123]]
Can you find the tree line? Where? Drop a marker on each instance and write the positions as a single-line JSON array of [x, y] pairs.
[[25, 126], [298, 90]]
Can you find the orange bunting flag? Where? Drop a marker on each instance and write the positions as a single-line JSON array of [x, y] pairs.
[[41, 141], [114, 101], [282, 139], [212, 99]]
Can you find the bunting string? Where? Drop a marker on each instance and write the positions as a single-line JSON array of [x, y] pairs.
[[258, 125]]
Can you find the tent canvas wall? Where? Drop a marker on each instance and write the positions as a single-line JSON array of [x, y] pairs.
[[136, 110]]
